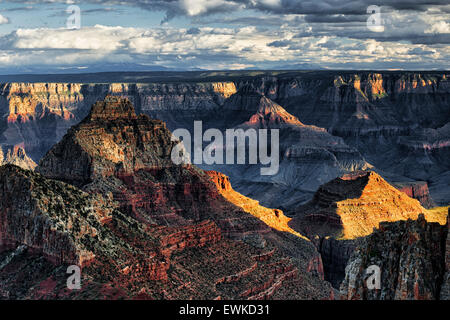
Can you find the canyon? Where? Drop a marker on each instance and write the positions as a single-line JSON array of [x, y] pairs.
[[395, 122], [108, 199], [363, 162]]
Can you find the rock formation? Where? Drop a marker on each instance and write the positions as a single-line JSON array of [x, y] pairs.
[[417, 190], [350, 207], [16, 155], [353, 205], [411, 257], [114, 150], [46, 225], [126, 245]]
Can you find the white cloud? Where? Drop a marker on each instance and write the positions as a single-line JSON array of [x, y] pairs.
[[198, 7], [3, 19], [209, 48], [439, 27]]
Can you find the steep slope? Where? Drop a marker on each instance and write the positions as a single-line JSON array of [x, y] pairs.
[[274, 218], [412, 259]]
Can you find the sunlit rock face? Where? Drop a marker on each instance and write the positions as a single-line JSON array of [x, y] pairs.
[[16, 155], [36, 115], [274, 218], [353, 205], [412, 257]]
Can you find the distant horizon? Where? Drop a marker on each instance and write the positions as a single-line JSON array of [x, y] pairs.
[[226, 71]]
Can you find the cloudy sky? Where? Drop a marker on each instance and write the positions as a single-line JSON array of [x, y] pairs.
[[224, 34]]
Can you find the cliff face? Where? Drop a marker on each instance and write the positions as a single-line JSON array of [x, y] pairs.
[[36, 224], [37, 115], [46, 225], [16, 155], [411, 256], [335, 255], [417, 190], [445, 288]]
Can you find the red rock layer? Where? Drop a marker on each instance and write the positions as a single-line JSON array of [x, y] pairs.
[[163, 238]]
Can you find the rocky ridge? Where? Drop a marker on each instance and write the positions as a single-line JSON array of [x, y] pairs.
[[274, 218], [412, 257]]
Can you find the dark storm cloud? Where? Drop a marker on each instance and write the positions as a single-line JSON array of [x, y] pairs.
[[335, 18], [315, 7]]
